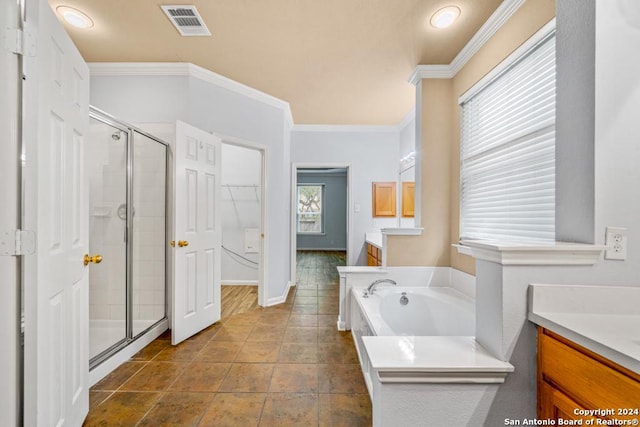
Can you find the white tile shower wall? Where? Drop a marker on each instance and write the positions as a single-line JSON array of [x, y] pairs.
[[106, 166], [148, 232]]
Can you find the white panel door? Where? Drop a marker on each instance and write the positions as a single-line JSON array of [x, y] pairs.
[[55, 122], [197, 236]]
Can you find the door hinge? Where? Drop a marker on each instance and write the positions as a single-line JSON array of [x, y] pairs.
[[20, 42], [17, 242]]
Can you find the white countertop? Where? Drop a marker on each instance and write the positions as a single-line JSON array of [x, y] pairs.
[[603, 319], [374, 238], [450, 359]]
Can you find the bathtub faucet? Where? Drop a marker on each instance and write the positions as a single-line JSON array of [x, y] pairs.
[[373, 284]]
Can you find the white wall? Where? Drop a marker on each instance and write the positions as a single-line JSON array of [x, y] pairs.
[[373, 155], [223, 109], [611, 174], [241, 176], [617, 132]]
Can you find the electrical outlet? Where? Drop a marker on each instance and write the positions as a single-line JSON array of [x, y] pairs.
[[616, 242]]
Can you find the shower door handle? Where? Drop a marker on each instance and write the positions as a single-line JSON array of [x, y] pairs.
[[96, 259]]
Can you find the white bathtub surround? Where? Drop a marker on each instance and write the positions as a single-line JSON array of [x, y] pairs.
[[504, 272], [501, 309], [440, 381], [361, 277], [411, 378], [603, 319]]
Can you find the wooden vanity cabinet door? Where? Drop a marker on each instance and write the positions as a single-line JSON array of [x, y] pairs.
[[384, 199], [555, 404], [572, 377]]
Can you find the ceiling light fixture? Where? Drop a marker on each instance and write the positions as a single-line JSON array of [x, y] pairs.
[[74, 17], [445, 16]]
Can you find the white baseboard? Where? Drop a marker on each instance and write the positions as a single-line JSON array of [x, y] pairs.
[[239, 283], [281, 298], [323, 249]]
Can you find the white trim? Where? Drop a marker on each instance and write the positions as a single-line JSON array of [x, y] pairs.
[[554, 253], [281, 298], [431, 72], [238, 282], [190, 70], [529, 44], [322, 249], [486, 31], [345, 128]]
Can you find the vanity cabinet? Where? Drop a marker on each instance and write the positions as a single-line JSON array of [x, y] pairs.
[[384, 199], [374, 255], [572, 380]]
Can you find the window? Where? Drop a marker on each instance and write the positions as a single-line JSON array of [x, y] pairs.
[[310, 208], [507, 150]]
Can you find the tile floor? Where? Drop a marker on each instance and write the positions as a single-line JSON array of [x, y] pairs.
[[285, 365]]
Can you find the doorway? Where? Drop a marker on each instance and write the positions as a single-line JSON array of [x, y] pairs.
[[242, 214], [320, 220]]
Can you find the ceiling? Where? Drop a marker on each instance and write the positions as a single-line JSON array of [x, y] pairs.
[[334, 61]]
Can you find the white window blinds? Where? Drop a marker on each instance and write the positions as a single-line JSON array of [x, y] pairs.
[[507, 152]]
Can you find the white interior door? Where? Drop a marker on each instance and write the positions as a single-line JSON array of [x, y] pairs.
[[55, 122], [197, 232]]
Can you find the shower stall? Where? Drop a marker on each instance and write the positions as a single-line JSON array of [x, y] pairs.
[[127, 171]]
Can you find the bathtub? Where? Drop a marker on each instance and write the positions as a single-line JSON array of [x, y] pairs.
[[428, 311]]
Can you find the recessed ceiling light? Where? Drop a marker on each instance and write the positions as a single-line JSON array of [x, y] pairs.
[[445, 16], [74, 17]]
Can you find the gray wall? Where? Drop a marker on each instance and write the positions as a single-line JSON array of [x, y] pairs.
[[335, 212]]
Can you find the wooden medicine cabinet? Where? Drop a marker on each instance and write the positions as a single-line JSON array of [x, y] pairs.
[[408, 199], [384, 199]]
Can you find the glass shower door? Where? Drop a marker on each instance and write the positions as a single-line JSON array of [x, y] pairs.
[[149, 235], [106, 157]]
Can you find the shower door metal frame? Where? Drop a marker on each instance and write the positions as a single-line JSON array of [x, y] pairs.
[[130, 130]]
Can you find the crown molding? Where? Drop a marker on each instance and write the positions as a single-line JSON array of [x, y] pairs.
[[486, 31], [189, 70], [431, 72]]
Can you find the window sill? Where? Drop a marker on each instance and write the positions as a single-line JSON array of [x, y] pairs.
[[528, 253]]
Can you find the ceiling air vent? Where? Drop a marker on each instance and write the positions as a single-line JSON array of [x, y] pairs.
[[187, 20]]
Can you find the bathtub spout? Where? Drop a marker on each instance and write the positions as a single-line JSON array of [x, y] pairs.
[[373, 284]]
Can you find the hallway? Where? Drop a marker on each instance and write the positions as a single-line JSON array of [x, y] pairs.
[[285, 365]]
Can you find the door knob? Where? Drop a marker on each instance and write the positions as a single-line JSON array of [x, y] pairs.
[[96, 259], [173, 243], [183, 243]]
